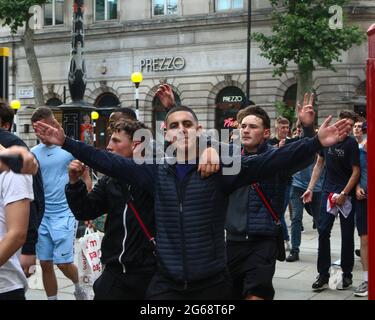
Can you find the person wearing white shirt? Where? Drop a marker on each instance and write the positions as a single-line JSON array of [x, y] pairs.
[[16, 192]]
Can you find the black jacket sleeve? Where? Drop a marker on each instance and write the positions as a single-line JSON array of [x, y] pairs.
[[113, 165], [84, 205], [36, 215], [272, 162]]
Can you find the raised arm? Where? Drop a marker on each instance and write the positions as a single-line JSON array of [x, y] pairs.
[[103, 161], [275, 161]]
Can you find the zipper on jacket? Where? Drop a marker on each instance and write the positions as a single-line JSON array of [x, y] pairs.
[[124, 240], [180, 190]]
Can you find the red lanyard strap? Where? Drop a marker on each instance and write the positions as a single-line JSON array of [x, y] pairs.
[[144, 228], [265, 202]]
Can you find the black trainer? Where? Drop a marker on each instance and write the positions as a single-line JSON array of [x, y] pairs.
[[293, 256], [345, 283], [320, 284]]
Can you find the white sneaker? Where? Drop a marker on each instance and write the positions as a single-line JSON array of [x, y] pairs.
[[287, 245], [362, 290], [80, 294]]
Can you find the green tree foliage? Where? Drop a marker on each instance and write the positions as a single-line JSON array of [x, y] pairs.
[[14, 13], [301, 34], [285, 111]]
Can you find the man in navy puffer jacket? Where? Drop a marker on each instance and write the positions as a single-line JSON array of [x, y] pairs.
[[190, 211], [251, 232]]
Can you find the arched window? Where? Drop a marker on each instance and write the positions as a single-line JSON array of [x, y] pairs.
[[290, 96], [106, 103], [53, 102], [360, 100], [228, 101]]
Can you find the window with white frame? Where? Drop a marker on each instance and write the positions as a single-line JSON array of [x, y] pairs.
[[54, 12], [164, 7], [222, 5], [105, 10]]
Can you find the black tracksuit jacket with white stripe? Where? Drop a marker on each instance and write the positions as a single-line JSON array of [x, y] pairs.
[[125, 246]]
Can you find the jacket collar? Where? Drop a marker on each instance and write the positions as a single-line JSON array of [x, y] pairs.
[[261, 148]]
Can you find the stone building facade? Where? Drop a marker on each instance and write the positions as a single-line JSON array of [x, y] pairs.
[[197, 46]]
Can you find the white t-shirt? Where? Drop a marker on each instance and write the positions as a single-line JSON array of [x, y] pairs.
[[13, 187]]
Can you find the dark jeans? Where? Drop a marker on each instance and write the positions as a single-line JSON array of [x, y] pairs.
[[216, 287], [347, 240], [282, 216], [18, 294], [298, 206], [114, 285]]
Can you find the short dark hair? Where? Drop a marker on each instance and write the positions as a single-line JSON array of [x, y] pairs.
[[181, 108], [127, 112], [128, 126], [347, 114], [255, 111], [6, 114], [41, 113]]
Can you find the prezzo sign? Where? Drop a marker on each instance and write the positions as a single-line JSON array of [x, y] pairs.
[[230, 94], [232, 99], [162, 64]]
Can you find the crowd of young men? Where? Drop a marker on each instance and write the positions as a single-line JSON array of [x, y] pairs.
[[186, 201]]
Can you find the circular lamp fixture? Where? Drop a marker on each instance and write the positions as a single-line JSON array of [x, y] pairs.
[[136, 78], [94, 115], [15, 104]]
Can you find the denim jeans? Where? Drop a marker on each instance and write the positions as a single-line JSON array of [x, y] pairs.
[[282, 217], [298, 206], [347, 241]]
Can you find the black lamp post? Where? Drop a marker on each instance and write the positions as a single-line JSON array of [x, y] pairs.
[[137, 79], [4, 74], [74, 112], [248, 52]]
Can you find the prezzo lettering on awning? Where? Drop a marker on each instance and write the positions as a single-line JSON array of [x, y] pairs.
[[230, 94], [232, 99], [162, 64]]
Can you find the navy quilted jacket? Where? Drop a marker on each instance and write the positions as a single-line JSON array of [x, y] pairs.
[[247, 216], [190, 214]]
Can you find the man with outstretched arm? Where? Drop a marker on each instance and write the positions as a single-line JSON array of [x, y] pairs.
[[190, 211]]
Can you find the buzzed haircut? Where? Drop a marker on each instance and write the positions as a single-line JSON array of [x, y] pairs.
[[347, 114], [181, 108], [255, 111], [128, 126], [6, 114], [41, 113], [127, 112]]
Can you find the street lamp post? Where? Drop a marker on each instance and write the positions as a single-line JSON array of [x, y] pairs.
[[137, 79], [4, 73], [15, 105], [248, 51], [94, 117]]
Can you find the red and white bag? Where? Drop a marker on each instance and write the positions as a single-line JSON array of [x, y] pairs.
[[89, 264]]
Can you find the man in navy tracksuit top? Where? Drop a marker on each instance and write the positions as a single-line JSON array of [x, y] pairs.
[[251, 232], [190, 211]]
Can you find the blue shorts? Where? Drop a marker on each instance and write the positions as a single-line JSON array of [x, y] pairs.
[[56, 237]]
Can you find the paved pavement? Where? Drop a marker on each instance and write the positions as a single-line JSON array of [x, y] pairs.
[[292, 280]]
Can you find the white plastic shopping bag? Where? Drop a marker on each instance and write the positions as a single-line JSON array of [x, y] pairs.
[[89, 265]]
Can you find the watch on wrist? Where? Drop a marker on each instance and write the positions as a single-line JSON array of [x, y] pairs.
[[343, 193]]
